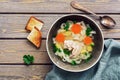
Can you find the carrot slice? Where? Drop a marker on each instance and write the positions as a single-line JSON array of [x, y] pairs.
[[76, 28], [60, 37], [87, 40]]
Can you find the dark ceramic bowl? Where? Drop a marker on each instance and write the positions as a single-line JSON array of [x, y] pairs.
[[98, 40]]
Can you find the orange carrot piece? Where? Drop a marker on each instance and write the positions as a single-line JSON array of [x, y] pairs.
[[76, 28], [60, 37], [87, 40]]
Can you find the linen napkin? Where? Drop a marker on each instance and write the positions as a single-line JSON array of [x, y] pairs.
[[108, 68]]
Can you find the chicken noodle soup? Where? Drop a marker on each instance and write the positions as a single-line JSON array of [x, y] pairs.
[[73, 42]]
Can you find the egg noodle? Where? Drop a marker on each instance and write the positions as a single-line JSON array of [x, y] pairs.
[[74, 42]]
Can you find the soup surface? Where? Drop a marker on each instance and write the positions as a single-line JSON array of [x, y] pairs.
[[74, 42]]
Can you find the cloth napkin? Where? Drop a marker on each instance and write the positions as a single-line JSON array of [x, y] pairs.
[[108, 68]]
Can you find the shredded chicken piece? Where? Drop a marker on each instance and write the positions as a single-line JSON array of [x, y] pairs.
[[75, 46]]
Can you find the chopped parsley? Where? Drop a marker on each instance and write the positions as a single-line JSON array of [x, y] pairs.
[[28, 59], [88, 30], [55, 49], [59, 50], [66, 51], [67, 25], [86, 53], [73, 62], [88, 59], [92, 44]]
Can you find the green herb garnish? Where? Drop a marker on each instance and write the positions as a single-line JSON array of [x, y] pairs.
[[88, 59], [92, 44], [28, 59], [86, 53], [73, 62], [67, 25], [89, 29], [66, 51], [59, 50], [55, 48]]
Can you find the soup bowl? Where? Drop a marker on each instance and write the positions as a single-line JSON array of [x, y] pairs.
[[97, 49]]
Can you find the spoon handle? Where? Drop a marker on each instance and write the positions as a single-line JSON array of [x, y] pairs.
[[76, 5]]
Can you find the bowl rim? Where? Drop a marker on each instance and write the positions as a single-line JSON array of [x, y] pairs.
[[100, 52]]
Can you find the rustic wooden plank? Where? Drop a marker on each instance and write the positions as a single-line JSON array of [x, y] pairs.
[[12, 25], [12, 51], [51, 6], [18, 45], [22, 72]]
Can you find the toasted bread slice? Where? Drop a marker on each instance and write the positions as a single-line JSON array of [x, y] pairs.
[[35, 37], [34, 22]]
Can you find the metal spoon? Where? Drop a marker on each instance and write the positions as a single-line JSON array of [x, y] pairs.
[[106, 21]]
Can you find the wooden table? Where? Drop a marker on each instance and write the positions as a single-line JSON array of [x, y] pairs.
[[14, 15]]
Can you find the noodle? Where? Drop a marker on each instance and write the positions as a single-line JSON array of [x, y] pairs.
[[74, 49]]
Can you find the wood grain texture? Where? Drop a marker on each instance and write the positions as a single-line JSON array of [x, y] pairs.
[[13, 25], [12, 51], [14, 15], [51, 6], [22, 72]]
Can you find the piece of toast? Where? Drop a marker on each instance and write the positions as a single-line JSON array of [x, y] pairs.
[[34, 22], [35, 37]]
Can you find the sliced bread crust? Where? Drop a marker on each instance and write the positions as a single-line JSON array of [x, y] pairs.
[[35, 37], [32, 22]]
